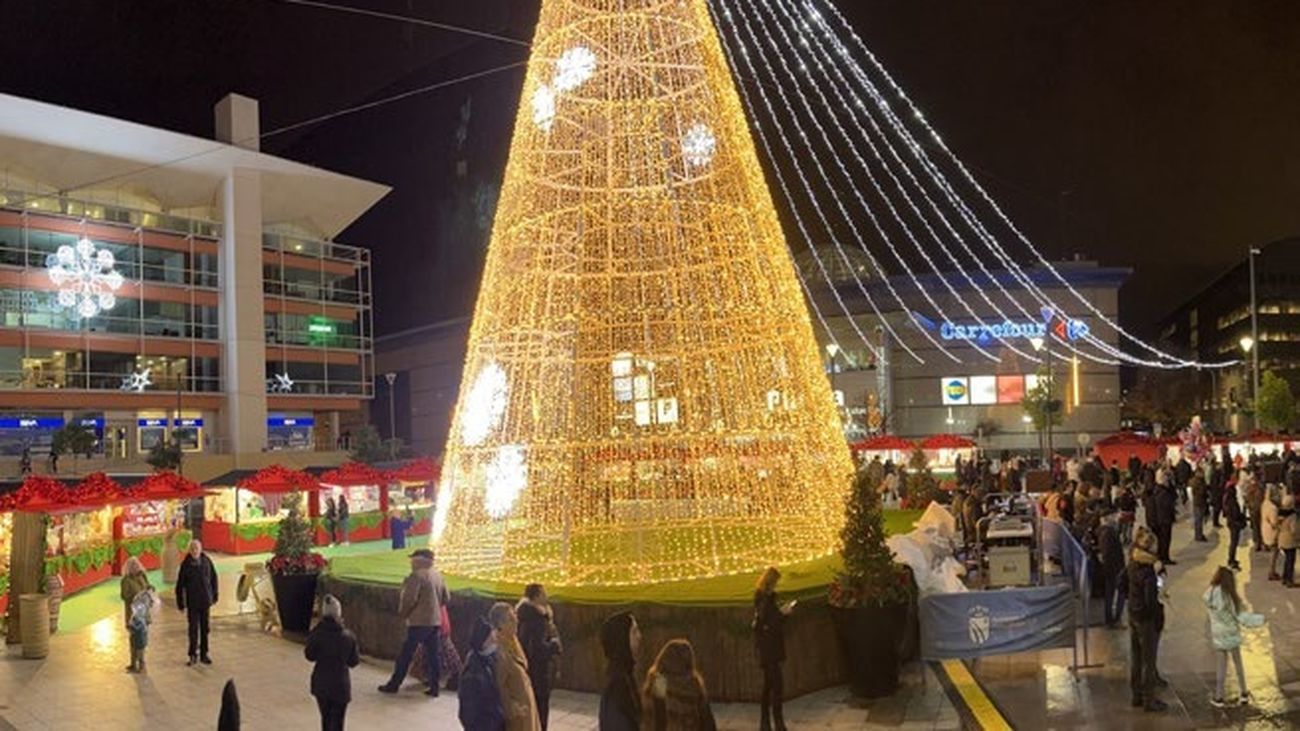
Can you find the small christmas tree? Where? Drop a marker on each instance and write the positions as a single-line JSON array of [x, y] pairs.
[[870, 576], [920, 487], [293, 543]]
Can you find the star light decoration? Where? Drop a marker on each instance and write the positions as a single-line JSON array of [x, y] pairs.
[[138, 381], [85, 277], [699, 145], [282, 383], [613, 427], [572, 69]]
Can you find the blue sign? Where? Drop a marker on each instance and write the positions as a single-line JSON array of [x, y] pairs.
[[97, 423], [189, 422], [31, 423], [291, 421], [152, 422], [971, 624]]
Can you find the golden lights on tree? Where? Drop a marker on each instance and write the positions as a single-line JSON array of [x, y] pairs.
[[643, 398]]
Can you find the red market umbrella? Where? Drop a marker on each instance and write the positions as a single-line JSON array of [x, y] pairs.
[[883, 443], [947, 441]]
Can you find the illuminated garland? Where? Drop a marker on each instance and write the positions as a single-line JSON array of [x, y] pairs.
[[645, 400], [814, 15], [800, 134]]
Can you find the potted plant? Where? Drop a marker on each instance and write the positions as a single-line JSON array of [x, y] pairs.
[[294, 568], [871, 598]]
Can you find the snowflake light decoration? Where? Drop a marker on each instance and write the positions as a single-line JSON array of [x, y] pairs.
[[484, 405], [544, 107], [574, 67], [85, 277], [137, 382], [504, 478], [282, 383], [699, 145]]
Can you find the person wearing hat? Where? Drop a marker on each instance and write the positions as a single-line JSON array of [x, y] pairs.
[[334, 651], [620, 701], [1145, 613], [423, 595]]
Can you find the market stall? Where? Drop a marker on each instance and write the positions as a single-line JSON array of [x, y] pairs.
[[413, 487], [943, 450], [1242, 447], [1117, 448], [888, 448], [6, 541], [78, 526], [146, 513], [365, 489], [242, 515]]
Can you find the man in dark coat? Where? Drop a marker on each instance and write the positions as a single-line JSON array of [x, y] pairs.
[[1200, 505], [196, 592], [1134, 467], [1166, 501], [1111, 552], [334, 650], [1235, 517], [1141, 588], [541, 642], [620, 701], [1214, 484]]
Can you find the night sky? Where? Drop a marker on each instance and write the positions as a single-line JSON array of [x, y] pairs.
[[1162, 135]]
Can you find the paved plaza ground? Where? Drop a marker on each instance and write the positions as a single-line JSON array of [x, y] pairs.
[[82, 683]]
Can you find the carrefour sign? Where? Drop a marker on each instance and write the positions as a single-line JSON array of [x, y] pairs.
[[1062, 328]]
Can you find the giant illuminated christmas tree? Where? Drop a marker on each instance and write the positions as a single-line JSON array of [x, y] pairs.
[[642, 399]]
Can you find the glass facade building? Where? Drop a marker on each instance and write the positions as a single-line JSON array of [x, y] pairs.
[[165, 355]]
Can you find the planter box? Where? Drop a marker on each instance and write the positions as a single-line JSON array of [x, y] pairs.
[[872, 641], [721, 635], [295, 594]]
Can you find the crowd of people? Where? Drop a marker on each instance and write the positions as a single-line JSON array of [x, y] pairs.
[[1124, 518]]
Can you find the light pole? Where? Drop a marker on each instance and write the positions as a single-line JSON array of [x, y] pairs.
[[391, 377], [1254, 336], [1247, 344]]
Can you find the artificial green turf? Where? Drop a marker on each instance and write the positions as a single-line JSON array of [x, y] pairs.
[[88, 606], [805, 579]]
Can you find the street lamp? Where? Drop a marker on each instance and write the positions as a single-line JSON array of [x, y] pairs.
[[1247, 344], [391, 377]]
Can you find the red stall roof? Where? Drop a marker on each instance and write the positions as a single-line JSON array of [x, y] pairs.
[[278, 478], [947, 441], [882, 443], [44, 494], [417, 470], [355, 473]]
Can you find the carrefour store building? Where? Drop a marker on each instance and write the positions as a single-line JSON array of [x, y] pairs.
[[959, 362]]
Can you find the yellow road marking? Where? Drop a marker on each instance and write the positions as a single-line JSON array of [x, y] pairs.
[[977, 701]]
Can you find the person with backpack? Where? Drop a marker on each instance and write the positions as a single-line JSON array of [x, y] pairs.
[[480, 699], [333, 650]]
